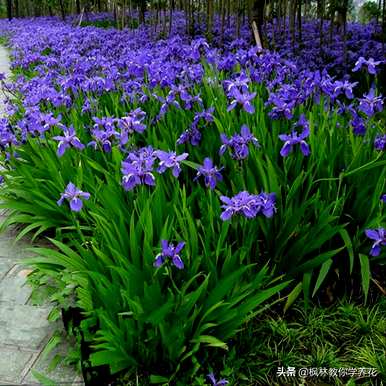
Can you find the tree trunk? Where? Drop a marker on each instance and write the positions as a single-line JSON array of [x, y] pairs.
[[189, 17], [300, 31], [238, 20], [199, 13], [384, 28], [228, 13], [115, 16], [222, 21], [123, 15], [321, 15], [9, 9], [142, 11], [186, 14], [257, 13], [17, 8], [279, 12], [342, 10], [36, 10], [78, 10], [29, 8], [172, 6], [292, 18], [62, 10], [164, 21], [209, 21], [332, 16]]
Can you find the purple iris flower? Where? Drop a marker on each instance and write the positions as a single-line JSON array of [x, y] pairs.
[[193, 135], [249, 205], [146, 155], [198, 46], [294, 139], [370, 104], [205, 115], [345, 87], [170, 100], [90, 105], [221, 382], [383, 197], [266, 204], [370, 63], [211, 173], [358, 124], [282, 105], [238, 144], [38, 123], [379, 237], [7, 136], [137, 169], [86, 106], [67, 140], [380, 142], [104, 138], [343, 108], [130, 124], [74, 196], [244, 99], [189, 100], [136, 174], [282, 108], [240, 82], [133, 122], [104, 133], [106, 123], [170, 160], [243, 203], [169, 251]]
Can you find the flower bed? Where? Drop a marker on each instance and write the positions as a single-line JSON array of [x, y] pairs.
[[186, 188]]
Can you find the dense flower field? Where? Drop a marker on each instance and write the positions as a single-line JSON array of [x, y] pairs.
[[317, 51], [186, 188]]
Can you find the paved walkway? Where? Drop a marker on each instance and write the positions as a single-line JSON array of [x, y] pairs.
[[24, 329]]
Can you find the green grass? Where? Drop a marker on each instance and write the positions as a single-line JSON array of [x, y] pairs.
[[341, 336]]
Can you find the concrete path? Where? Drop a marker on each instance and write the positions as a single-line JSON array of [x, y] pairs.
[[24, 328], [4, 68]]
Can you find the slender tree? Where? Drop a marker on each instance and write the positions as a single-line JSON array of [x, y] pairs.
[[257, 15], [17, 8], [62, 9], [300, 29], [9, 9], [142, 11], [292, 22], [209, 20], [384, 28], [342, 10], [172, 5], [78, 9], [321, 24], [222, 11]]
